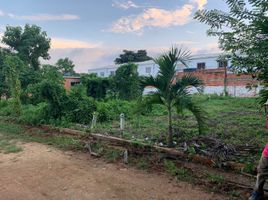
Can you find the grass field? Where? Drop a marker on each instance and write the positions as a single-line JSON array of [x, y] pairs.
[[236, 121]]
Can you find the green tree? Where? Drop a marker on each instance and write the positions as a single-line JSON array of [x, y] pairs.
[[131, 56], [80, 107], [30, 43], [172, 91], [4, 89], [49, 89], [96, 87], [12, 67], [126, 81], [66, 66], [243, 31]]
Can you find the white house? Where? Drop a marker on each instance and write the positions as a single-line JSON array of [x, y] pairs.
[[147, 68], [205, 66]]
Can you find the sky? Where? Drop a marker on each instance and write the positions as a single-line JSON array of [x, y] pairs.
[[93, 33]]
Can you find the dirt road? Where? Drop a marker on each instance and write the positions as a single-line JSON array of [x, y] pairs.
[[41, 172]]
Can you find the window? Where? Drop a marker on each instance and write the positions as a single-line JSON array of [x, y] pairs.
[[201, 65], [102, 74], [148, 70], [73, 83], [112, 73], [223, 64]]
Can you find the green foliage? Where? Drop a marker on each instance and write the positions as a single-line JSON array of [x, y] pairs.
[[126, 81], [11, 132], [66, 66], [4, 88], [173, 92], [111, 109], [131, 56], [6, 107], [30, 43], [13, 66], [54, 95], [34, 115], [243, 32], [215, 178], [112, 155], [180, 172], [80, 107], [96, 87]]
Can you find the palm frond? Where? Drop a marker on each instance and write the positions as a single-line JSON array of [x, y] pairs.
[[188, 81], [167, 65], [187, 102], [148, 81]]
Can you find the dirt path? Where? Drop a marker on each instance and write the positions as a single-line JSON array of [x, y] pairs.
[[42, 172]]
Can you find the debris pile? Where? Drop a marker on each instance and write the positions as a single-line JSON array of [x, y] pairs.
[[210, 147]]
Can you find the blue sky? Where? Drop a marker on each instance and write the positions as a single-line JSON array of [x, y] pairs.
[[93, 32]]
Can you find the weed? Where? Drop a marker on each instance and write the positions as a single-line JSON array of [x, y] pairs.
[[143, 164], [215, 178], [180, 173], [112, 155], [7, 146]]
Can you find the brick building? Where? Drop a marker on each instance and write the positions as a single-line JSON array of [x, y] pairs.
[[205, 66], [215, 80], [70, 81]]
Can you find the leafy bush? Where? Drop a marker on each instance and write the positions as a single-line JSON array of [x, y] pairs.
[[80, 107], [6, 107], [110, 110], [34, 114]]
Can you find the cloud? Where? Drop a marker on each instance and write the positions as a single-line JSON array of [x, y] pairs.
[[2, 13], [61, 43], [85, 58], [97, 57], [44, 17], [190, 32], [156, 17], [124, 4], [200, 3], [153, 17], [187, 42], [206, 49]]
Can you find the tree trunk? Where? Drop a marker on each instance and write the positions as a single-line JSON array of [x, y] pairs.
[[170, 131]]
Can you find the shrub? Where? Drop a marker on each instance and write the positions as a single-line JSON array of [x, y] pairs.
[[80, 107], [34, 115], [110, 110], [6, 107]]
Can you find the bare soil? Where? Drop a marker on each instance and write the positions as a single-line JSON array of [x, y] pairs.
[[42, 172]]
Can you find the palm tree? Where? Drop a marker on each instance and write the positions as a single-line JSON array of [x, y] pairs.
[[173, 92]]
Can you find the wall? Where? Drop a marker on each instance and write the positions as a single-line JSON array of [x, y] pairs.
[[68, 81], [214, 82]]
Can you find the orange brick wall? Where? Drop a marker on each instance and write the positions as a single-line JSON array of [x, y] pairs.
[[215, 77], [69, 80]]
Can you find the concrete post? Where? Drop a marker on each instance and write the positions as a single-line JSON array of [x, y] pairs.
[[94, 120], [122, 121]]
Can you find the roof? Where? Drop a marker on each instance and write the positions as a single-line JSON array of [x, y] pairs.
[[74, 77], [193, 57]]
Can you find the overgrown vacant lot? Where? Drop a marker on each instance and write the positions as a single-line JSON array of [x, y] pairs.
[[236, 121], [40, 171]]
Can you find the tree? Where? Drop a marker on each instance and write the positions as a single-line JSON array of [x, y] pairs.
[[243, 31], [174, 92], [12, 67], [126, 81], [4, 89], [131, 56], [96, 87], [30, 43], [66, 66]]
